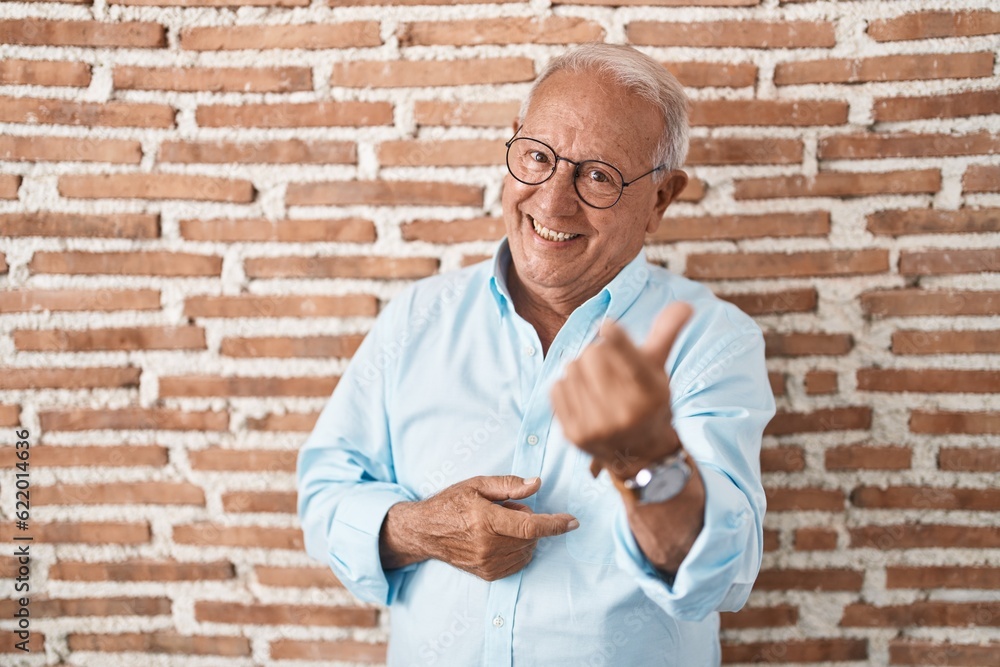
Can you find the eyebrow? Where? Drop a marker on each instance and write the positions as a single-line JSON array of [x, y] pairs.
[[549, 142]]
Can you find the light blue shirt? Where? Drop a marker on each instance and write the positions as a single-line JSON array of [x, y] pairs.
[[451, 383]]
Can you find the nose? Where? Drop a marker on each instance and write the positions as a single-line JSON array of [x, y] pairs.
[[558, 194]]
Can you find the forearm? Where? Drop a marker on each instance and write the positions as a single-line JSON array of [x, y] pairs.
[[400, 543], [666, 531]]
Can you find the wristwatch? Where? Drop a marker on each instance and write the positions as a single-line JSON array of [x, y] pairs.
[[660, 481]]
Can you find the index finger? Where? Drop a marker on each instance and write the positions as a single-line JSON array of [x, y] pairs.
[[525, 526]]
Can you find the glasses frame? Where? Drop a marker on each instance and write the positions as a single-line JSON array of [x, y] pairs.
[[576, 170]]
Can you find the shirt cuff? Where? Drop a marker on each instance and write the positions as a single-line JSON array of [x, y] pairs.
[[355, 533], [719, 570]]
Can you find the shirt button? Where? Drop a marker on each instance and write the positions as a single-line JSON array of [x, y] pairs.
[[498, 621], [528, 350], [532, 439]]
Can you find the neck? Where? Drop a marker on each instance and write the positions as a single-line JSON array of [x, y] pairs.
[[545, 310]]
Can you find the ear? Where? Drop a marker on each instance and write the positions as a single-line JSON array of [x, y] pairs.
[[666, 192], [516, 124]]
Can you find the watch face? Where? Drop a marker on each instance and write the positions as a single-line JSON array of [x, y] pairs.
[[666, 482]]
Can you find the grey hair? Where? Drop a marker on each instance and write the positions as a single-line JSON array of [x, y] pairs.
[[642, 76]]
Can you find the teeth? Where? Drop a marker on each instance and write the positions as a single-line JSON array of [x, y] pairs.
[[550, 235]]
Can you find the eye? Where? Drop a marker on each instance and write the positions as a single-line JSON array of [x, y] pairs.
[[538, 156], [599, 176]]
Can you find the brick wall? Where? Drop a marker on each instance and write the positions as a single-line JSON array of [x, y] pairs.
[[203, 204]]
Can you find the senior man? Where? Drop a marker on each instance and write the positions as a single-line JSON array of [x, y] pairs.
[[552, 458]]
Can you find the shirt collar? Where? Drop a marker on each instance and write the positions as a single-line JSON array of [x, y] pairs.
[[620, 293]]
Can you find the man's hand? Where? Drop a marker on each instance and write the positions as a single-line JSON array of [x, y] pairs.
[[474, 525], [614, 401]]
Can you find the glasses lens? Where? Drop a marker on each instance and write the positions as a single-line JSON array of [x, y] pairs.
[[530, 161], [598, 183]]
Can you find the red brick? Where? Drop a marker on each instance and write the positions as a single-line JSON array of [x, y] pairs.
[[126, 263], [213, 3], [441, 153], [291, 151], [917, 302], [342, 266], [761, 617], [949, 576], [716, 74], [928, 380], [294, 36], [345, 649], [945, 342], [243, 460], [68, 378], [508, 30], [3, 264], [740, 33], [797, 650], [933, 221], [294, 422], [9, 185], [310, 347], [955, 105], [864, 457], [251, 537], [112, 606], [469, 260], [156, 186], [694, 192], [346, 230], [820, 382], [772, 540], [815, 539], [281, 502], [967, 459], [924, 536], [120, 493], [202, 385], [910, 67], [160, 642], [725, 150], [981, 178], [926, 497], [839, 184], [425, 73], [929, 25], [879, 146], [296, 577], [369, 3], [157, 419], [214, 79], [473, 114], [84, 532], [295, 115], [65, 149], [807, 344], [804, 500], [10, 415], [36, 32], [777, 382], [103, 300], [768, 112], [453, 231], [809, 580], [104, 456], [730, 266], [787, 458], [263, 305], [773, 303], [137, 338], [86, 114], [911, 652], [47, 223], [44, 73], [947, 261], [724, 227], [383, 193], [820, 421], [923, 613]]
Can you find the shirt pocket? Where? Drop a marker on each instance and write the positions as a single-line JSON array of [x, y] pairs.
[[594, 502]]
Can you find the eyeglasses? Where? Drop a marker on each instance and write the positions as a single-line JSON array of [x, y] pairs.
[[598, 184]]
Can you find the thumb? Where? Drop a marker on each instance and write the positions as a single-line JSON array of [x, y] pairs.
[[664, 332], [505, 487]]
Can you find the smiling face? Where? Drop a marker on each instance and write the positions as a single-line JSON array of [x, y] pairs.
[[564, 251]]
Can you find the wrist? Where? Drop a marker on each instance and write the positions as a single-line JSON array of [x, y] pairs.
[[400, 543]]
